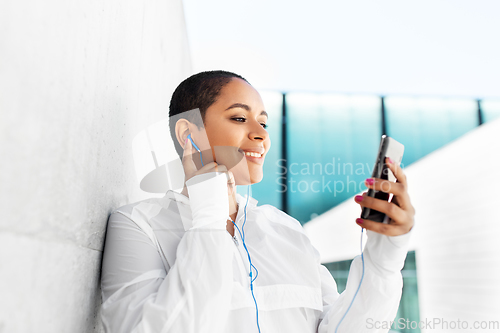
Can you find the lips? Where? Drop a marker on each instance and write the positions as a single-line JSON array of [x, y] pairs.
[[254, 154], [255, 150], [249, 153]]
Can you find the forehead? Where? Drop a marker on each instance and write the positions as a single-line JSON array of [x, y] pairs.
[[239, 91]]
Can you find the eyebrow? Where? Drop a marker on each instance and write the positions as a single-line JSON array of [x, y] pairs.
[[246, 107]]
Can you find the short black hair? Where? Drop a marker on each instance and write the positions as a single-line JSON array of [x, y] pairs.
[[198, 91]]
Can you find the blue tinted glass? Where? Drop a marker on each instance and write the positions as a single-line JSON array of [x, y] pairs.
[[491, 109], [408, 307], [425, 124], [268, 190], [332, 142]]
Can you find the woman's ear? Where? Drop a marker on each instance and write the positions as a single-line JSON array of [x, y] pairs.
[[182, 131]]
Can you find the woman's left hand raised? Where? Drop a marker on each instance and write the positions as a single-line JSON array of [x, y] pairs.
[[400, 211]]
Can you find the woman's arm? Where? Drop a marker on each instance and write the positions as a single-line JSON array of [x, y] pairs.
[[380, 292], [195, 295], [378, 297]]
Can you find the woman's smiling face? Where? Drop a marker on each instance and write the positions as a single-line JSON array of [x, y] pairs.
[[235, 129]]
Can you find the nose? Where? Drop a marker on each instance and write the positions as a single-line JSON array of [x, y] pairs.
[[257, 132]]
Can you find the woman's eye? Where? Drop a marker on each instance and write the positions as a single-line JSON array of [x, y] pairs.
[[242, 120]]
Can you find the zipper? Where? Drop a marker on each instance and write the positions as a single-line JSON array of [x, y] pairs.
[[235, 240], [242, 263]]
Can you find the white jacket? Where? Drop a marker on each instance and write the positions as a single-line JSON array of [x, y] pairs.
[[196, 278]]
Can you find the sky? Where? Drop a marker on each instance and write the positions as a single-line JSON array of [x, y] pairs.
[[435, 48]]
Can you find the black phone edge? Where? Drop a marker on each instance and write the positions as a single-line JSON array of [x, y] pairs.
[[377, 173]]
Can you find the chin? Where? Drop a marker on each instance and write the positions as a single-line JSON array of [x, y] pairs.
[[248, 179], [256, 178], [247, 173]]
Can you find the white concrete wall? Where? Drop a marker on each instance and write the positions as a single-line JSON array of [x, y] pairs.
[[456, 234], [78, 81]]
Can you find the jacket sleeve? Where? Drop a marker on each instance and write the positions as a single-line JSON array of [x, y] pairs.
[[378, 298], [139, 296]]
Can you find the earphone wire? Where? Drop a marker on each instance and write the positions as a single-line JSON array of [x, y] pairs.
[[360, 281], [242, 236], [252, 279], [196, 147]]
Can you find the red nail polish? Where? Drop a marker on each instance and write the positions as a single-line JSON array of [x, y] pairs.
[[390, 160], [359, 221], [358, 198], [370, 181]]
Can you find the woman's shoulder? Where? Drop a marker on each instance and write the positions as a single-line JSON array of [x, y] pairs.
[[276, 215], [151, 211], [141, 205]]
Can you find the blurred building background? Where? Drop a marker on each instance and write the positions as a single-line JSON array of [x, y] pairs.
[[84, 93], [334, 77]]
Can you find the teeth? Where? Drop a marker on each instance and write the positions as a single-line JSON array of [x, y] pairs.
[[253, 154]]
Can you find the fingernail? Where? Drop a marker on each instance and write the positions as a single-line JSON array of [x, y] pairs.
[[370, 181], [359, 221], [186, 141], [390, 160], [358, 198]]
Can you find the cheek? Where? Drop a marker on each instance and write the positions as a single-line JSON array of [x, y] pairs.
[[267, 144], [228, 156], [215, 139], [223, 136]]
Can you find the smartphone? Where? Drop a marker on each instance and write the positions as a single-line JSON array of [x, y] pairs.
[[388, 148]]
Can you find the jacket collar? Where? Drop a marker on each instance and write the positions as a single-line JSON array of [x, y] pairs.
[[241, 200]]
